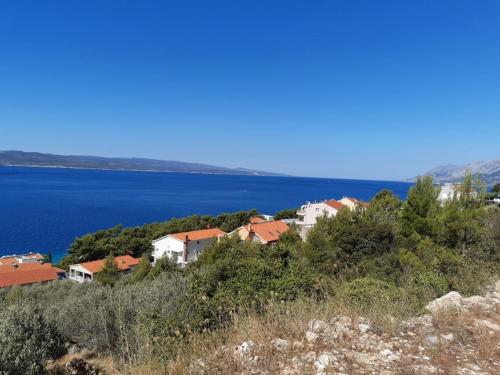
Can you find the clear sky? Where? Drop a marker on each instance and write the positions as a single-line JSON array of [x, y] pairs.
[[352, 89]]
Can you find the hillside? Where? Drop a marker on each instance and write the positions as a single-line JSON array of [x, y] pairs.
[[489, 171], [36, 159]]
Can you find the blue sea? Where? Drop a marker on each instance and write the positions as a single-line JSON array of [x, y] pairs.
[[44, 209]]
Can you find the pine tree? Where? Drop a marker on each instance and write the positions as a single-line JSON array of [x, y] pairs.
[[110, 272]]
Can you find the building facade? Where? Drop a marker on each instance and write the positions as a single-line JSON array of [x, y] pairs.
[[185, 247]]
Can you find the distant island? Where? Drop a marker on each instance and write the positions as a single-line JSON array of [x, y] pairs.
[[488, 171], [37, 159]]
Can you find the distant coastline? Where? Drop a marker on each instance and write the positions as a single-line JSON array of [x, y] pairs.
[[142, 170], [16, 158]]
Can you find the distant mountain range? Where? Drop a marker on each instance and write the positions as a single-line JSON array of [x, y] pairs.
[[489, 171], [36, 159]]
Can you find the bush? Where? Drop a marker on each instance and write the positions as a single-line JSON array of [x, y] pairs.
[[27, 339], [368, 293]]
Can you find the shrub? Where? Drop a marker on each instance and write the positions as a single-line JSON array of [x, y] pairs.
[[368, 293], [27, 339]]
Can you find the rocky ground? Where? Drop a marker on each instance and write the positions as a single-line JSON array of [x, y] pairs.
[[459, 336]]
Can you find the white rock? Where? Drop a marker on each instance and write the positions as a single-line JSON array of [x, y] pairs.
[[363, 328], [311, 336], [245, 348], [452, 300], [474, 300], [389, 355], [449, 337], [280, 344], [497, 286], [322, 362], [316, 326]]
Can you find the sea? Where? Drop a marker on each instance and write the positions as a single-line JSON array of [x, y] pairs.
[[44, 209]]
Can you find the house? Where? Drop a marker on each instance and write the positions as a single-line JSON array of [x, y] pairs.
[[28, 273], [310, 212], [23, 258], [266, 233], [185, 247], [352, 203], [447, 192], [83, 272]]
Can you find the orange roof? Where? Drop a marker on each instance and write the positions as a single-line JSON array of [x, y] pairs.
[[335, 204], [22, 276], [24, 267], [196, 235], [8, 260], [269, 231], [256, 219], [124, 262]]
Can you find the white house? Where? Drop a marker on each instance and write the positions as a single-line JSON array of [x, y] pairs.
[[185, 247], [20, 259], [352, 203], [448, 192], [86, 271], [310, 212]]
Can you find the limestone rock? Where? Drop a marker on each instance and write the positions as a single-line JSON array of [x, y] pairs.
[[245, 348], [450, 301], [280, 344], [316, 326], [311, 336]]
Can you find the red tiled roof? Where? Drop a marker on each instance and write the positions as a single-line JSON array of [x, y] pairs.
[[335, 204], [8, 260], [124, 262], [256, 220], [269, 231], [197, 235], [22, 276], [24, 267]]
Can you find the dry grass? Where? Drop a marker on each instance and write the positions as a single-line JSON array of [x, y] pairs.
[[285, 321]]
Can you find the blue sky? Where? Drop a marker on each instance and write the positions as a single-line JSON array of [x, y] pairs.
[[350, 89]]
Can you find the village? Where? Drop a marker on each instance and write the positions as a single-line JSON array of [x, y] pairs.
[[185, 247], [181, 248]]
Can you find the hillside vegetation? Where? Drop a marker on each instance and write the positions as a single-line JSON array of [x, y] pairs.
[[385, 262]]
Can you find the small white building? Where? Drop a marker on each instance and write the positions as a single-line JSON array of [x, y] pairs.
[[353, 203], [185, 247], [447, 192], [84, 272], [310, 212]]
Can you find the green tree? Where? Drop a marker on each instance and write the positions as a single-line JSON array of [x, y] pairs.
[[287, 213], [496, 188], [142, 270], [27, 339], [163, 265], [420, 208], [109, 273]]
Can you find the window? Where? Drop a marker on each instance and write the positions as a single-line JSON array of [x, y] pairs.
[[197, 242]]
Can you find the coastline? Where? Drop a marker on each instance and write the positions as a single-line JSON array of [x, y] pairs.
[[145, 170]]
